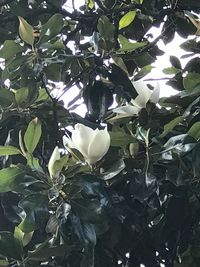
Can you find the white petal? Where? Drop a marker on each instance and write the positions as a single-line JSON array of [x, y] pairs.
[[144, 94], [99, 146], [128, 110], [81, 137], [67, 142], [54, 156], [156, 94]]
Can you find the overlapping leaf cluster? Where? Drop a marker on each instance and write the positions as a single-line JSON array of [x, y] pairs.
[[140, 204]]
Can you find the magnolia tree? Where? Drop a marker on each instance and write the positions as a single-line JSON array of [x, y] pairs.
[[120, 186]]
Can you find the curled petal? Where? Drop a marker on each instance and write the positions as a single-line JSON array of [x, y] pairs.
[[99, 146], [128, 110], [156, 94], [144, 94], [54, 156], [67, 142]]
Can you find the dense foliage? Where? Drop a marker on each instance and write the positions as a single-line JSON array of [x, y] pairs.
[[140, 202]]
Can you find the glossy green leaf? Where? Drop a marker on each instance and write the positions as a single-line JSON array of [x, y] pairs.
[[36, 212], [9, 150], [120, 139], [178, 146], [10, 49], [59, 164], [26, 31], [115, 169], [127, 19], [32, 135], [127, 46], [10, 246], [194, 131], [170, 126], [9, 178], [52, 28]]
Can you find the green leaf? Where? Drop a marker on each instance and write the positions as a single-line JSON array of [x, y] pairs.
[[44, 251], [59, 164], [26, 31], [144, 71], [9, 150], [90, 3], [10, 49], [190, 46], [21, 96], [9, 177], [32, 135], [52, 28], [170, 126], [175, 62], [36, 209], [6, 98], [171, 70], [106, 28], [127, 19], [4, 263], [120, 139], [115, 169], [178, 145], [127, 46], [192, 81], [10, 246], [194, 131], [120, 63]]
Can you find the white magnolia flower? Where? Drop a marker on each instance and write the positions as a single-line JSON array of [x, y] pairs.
[[92, 144], [51, 165], [144, 95]]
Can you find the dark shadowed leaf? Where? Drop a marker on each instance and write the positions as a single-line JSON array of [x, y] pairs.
[[36, 212], [10, 246], [106, 28], [9, 178]]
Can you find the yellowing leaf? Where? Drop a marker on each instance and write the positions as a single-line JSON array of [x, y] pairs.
[[26, 31], [127, 19], [90, 3]]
